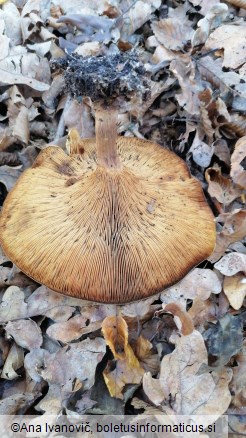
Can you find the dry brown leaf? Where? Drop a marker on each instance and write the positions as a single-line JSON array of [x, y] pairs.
[[172, 33], [127, 369], [238, 383], [238, 173], [220, 187], [202, 311], [184, 70], [232, 38], [221, 150], [201, 152], [76, 361], [17, 403], [115, 332], [25, 332], [14, 361], [144, 352], [231, 264], [234, 229], [9, 176], [235, 289], [181, 318], [199, 283], [137, 15], [18, 115], [182, 386], [72, 329]]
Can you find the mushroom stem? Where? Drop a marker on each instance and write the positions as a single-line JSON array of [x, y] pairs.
[[106, 135]]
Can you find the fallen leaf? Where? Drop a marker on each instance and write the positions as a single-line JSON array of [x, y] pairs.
[[181, 385], [144, 352], [76, 361], [25, 332], [201, 152], [220, 187], [235, 289], [202, 311], [9, 176], [14, 361], [199, 283], [72, 329], [184, 70], [234, 229], [224, 339], [232, 38], [238, 173], [238, 383], [127, 369], [231, 264], [172, 33]]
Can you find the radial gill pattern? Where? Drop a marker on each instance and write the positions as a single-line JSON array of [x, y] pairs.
[[107, 236]]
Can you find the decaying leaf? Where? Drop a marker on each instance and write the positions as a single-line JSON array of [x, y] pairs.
[[199, 283], [172, 33], [72, 329], [235, 289], [224, 339], [238, 383], [127, 369], [202, 311], [238, 173], [25, 332], [144, 352], [231, 264], [234, 229], [14, 361], [183, 387], [76, 361], [220, 187], [232, 38]]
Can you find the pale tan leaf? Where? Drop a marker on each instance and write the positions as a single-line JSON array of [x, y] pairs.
[[231, 264], [199, 283], [221, 187], [238, 173], [235, 289], [72, 329], [172, 33], [232, 38], [25, 332], [191, 392], [13, 362]]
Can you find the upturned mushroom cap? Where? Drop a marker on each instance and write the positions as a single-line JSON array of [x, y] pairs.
[[105, 235]]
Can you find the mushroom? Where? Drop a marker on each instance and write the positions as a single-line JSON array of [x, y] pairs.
[[118, 220]]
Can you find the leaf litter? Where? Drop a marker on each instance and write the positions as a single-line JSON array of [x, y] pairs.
[[184, 350]]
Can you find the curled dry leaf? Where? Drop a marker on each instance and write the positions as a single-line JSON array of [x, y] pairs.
[[199, 283], [14, 361], [127, 369], [231, 264], [238, 3], [144, 352], [231, 38], [235, 289], [234, 229], [25, 332], [212, 19], [220, 187], [238, 173], [182, 320], [184, 70], [183, 386]]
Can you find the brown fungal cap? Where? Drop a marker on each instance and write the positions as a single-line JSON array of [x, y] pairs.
[[107, 235]]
